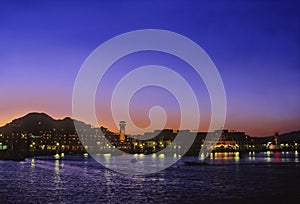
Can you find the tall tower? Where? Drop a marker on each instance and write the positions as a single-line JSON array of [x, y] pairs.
[[122, 125]]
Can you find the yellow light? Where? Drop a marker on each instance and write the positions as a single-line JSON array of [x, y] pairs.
[[56, 156], [161, 156], [32, 163], [236, 156]]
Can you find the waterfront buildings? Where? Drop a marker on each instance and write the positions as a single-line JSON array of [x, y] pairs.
[[38, 134]]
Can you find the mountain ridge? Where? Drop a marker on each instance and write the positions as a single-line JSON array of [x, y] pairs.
[[36, 122]]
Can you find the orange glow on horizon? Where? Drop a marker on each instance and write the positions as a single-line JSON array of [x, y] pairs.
[[254, 127]]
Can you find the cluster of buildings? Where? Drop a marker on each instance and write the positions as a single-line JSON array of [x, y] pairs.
[[103, 141]]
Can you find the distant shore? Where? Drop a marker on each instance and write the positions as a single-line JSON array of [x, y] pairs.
[[18, 156]]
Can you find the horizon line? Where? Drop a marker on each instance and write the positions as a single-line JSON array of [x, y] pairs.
[[174, 129]]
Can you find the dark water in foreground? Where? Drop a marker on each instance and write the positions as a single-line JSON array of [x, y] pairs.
[[231, 178]]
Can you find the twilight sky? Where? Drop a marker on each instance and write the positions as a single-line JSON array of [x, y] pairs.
[[254, 44]]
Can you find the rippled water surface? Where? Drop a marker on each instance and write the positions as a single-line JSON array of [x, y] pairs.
[[255, 177]]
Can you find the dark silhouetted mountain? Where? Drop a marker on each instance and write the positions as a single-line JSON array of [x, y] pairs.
[[36, 123]]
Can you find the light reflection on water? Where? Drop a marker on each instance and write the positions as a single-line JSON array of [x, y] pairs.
[[253, 157], [228, 177], [56, 178]]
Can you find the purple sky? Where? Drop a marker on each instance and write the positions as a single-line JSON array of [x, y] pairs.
[[255, 46]]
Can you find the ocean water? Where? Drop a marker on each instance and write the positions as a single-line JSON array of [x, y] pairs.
[[228, 178]]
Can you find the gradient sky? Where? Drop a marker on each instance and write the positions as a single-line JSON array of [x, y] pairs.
[[254, 44]]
